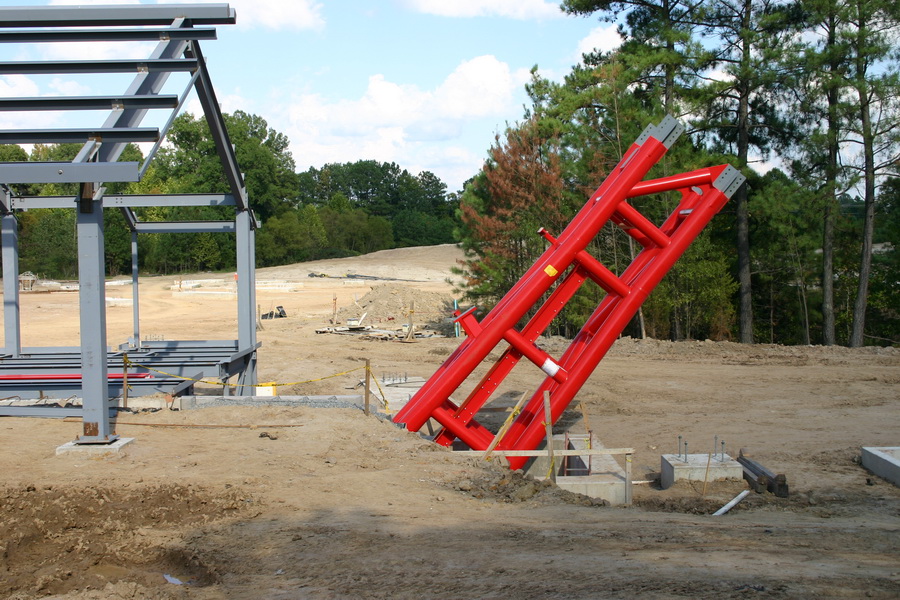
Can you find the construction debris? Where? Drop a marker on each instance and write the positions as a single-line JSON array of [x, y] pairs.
[[367, 332], [389, 302], [278, 313]]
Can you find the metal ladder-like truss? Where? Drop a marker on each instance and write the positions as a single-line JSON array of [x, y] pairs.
[[567, 265]]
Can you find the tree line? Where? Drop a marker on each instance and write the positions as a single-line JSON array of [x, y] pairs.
[[333, 211], [803, 254]]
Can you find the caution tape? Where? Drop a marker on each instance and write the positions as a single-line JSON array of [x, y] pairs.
[[273, 384], [384, 401], [314, 380]]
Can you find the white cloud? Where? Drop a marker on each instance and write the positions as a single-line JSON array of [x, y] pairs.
[[478, 87], [720, 75], [278, 14], [403, 123], [64, 2], [17, 86], [228, 103], [97, 50], [68, 88], [762, 166], [513, 9], [20, 86], [605, 38]]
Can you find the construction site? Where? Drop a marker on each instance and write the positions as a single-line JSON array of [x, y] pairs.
[[284, 501], [344, 428]]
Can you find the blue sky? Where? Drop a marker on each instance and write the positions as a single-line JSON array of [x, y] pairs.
[[423, 83]]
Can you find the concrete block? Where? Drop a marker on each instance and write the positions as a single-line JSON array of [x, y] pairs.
[[605, 481], [884, 461], [692, 467], [112, 448]]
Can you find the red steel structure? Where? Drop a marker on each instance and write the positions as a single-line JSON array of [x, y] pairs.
[[564, 267]]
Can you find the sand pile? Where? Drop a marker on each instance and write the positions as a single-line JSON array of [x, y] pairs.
[[392, 303]]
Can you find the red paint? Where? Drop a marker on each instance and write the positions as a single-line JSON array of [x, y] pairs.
[[564, 267]]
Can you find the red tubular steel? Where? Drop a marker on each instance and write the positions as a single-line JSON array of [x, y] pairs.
[[69, 376], [537, 280], [704, 192], [601, 331]]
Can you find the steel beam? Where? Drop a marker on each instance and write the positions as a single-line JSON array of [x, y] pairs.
[[184, 227], [64, 172], [74, 67], [105, 35], [116, 201], [207, 96], [92, 300], [143, 84], [87, 102], [122, 135], [125, 16], [55, 412], [12, 328], [135, 201]]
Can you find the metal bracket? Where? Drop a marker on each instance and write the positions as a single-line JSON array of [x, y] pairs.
[[729, 181]]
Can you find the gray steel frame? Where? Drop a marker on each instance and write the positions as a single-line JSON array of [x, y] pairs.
[[86, 370]]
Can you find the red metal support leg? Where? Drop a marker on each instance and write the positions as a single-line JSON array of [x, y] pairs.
[[567, 265]]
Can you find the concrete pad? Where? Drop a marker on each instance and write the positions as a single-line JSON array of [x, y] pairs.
[[333, 401], [692, 467], [884, 461], [111, 448], [606, 479]]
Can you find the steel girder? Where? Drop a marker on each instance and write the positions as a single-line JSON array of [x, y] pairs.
[[178, 50], [553, 280]]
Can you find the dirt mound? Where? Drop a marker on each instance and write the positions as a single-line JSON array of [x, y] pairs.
[[732, 353], [502, 485], [56, 539], [423, 263], [394, 303]]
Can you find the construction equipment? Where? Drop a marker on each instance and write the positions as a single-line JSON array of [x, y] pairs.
[[564, 267]]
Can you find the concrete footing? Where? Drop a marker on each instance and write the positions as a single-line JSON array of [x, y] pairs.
[[594, 476], [693, 467], [884, 461], [94, 449], [348, 401]]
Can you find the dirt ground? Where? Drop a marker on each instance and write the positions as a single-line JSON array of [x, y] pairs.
[[266, 502]]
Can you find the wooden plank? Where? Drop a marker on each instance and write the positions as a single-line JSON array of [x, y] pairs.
[[529, 453], [548, 424], [506, 425], [628, 491]]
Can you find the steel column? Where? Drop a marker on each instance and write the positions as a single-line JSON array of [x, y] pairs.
[[12, 328], [135, 295], [246, 298], [92, 300]]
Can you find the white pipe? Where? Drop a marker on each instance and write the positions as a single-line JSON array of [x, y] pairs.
[[731, 504]]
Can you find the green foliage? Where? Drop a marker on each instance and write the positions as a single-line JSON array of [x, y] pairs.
[[519, 190], [192, 164], [294, 236], [884, 298], [695, 297], [416, 208], [48, 242], [354, 232]]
